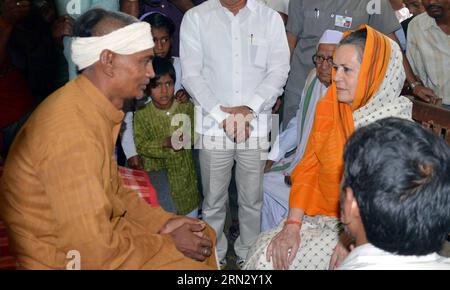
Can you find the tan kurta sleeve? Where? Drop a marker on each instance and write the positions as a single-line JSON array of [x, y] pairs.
[[140, 211], [76, 180]]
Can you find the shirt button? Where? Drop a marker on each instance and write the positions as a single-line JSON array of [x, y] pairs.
[[236, 55]]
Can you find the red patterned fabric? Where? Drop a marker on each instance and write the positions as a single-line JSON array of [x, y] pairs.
[[139, 181], [134, 179]]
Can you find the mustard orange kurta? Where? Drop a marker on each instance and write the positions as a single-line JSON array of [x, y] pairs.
[[61, 191]]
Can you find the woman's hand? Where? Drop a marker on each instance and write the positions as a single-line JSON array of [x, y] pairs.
[[284, 247]]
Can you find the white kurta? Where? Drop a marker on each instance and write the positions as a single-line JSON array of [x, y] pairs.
[[276, 192], [369, 257]]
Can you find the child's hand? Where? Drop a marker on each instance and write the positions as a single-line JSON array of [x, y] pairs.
[[135, 162], [174, 142], [167, 143], [182, 96]]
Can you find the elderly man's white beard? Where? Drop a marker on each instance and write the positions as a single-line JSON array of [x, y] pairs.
[[130, 39]]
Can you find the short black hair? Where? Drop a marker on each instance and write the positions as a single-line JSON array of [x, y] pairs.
[[400, 175], [162, 66], [85, 24], [357, 38], [157, 20]]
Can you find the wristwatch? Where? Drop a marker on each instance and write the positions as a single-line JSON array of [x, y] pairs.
[[255, 116], [415, 84]]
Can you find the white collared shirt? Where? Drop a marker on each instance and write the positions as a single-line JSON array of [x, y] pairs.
[[230, 61], [278, 5], [369, 257]]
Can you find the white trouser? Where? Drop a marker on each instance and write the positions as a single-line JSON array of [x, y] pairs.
[[216, 166]]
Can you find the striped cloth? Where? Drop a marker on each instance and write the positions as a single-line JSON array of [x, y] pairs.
[[134, 179]]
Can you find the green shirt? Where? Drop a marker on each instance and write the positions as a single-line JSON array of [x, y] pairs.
[[151, 127]]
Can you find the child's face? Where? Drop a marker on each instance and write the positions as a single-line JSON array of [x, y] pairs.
[[162, 42], [162, 95]]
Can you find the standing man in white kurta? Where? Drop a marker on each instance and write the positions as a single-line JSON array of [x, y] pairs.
[[235, 61]]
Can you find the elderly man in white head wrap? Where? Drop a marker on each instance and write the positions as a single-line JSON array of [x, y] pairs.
[[69, 189], [290, 145]]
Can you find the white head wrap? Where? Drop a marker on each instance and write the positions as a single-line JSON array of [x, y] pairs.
[[331, 37], [127, 40]]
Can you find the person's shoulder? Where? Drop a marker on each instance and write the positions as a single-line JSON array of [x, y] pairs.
[[146, 111], [185, 107], [312, 73], [63, 101], [444, 261], [201, 9], [68, 105], [263, 8], [420, 21], [176, 61]]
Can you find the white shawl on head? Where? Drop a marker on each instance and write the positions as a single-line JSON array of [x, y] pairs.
[[387, 102]]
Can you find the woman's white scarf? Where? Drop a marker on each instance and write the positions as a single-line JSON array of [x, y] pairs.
[[387, 102]]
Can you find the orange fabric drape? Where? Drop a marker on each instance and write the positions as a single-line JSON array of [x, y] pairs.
[[316, 179]]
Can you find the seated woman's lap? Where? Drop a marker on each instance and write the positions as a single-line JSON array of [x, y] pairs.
[[319, 236]]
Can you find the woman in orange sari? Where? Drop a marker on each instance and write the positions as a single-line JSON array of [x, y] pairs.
[[367, 80]]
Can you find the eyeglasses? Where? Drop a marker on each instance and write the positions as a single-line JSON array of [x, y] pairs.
[[318, 59]]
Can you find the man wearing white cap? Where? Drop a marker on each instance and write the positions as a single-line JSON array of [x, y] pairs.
[[61, 198], [290, 145]]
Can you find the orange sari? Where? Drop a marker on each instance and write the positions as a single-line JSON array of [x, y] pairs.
[[316, 179]]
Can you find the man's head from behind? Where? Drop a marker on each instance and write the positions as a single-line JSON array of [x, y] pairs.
[[397, 182], [437, 8], [115, 51]]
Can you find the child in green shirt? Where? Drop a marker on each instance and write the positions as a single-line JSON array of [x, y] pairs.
[[163, 146]]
